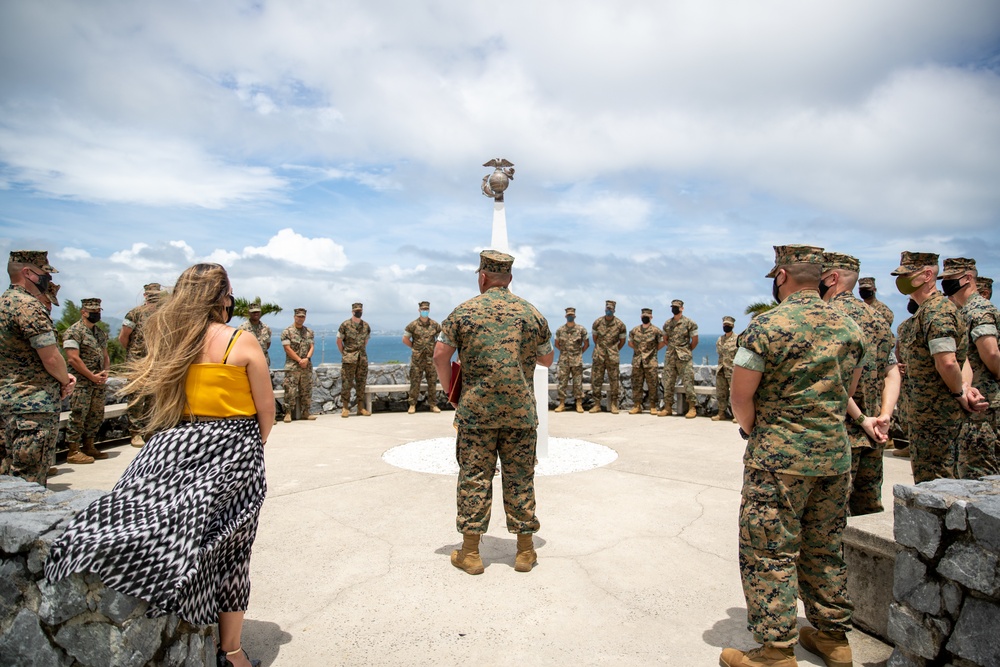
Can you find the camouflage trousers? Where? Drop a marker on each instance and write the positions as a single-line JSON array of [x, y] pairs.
[[298, 386], [87, 412], [353, 375], [567, 373], [422, 368], [603, 365], [476, 450], [651, 376], [674, 368], [723, 377], [866, 480], [979, 445], [28, 445], [138, 415], [934, 450], [791, 545]]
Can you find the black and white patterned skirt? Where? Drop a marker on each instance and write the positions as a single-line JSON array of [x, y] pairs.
[[178, 528]]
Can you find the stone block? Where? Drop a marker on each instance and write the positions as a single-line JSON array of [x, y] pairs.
[[92, 644], [984, 520], [25, 645], [900, 658], [908, 629], [141, 640], [62, 600], [951, 597], [19, 530], [973, 567], [119, 608], [975, 635], [909, 572], [13, 581], [955, 518], [926, 598], [176, 655], [918, 529]]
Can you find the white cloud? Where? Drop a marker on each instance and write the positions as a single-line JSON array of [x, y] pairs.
[[72, 254], [322, 254]]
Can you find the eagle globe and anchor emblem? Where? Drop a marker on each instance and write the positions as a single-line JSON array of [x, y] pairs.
[[494, 184]]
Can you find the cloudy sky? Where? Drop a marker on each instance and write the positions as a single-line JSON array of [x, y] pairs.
[[328, 152]]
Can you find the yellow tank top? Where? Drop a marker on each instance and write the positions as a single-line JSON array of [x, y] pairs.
[[219, 390]]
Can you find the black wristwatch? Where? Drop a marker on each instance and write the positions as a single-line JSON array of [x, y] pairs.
[[959, 394]]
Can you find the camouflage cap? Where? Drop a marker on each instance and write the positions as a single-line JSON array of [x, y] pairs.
[[424, 305], [866, 283], [911, 262], [356, 305], [571, 311], [728, 319], [647, 311], [784, 255], [91, 304], [610, 304], [151, 288], [494, 261], [983, 284], [254, 307], [36, 258], [300, 311], [51, 293], [957, 266], [838, 260], [677, 302]]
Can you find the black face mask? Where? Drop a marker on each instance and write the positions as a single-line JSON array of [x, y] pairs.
[[44, 280], [93, 318], [774, 290], [357, 314], [951, 286], [912, 306], [645, 319], [675, 310], [230, 308], [866, 293], [823, 289], [727, 327]]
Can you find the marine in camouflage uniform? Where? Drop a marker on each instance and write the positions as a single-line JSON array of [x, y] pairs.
[[978, 443], [725, 348], [793, 375], [609, 334], [867, 290], [299, 343], [571, 341], [29, 394], [86, 346], [133, 339], [904, 339], [260, 331], [646, 340], [681, 336], [866, 453], [420, 336], [985, 287], [352, 339], [936, 404]]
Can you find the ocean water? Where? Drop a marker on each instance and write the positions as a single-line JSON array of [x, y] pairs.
[[385, 349]]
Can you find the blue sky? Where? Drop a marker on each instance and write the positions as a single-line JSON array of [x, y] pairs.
[[330, 152]]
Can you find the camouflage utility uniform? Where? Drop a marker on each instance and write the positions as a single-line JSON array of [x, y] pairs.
[[796, 477], [87, 400], [646, 341], [498, 337], [677, 360], [866, 454], [571, 340], [29, 396], [905, 334], [979, 449], [883, 310], [135, 319], [725, 348], [422, 336], [608, 336], [262, 333], [935, 416], [354, 368], [298, 381]]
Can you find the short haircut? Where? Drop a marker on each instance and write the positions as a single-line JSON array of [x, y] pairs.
[[804, 273]]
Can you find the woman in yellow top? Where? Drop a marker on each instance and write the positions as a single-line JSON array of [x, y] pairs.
[[177, 529]]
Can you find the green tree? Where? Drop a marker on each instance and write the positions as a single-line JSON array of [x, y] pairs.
[[756, 308], [242, 307], [71, 315]]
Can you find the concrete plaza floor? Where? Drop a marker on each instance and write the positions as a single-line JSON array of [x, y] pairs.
[[637, 559]]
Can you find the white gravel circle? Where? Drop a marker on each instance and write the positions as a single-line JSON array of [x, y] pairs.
[[437, 456]]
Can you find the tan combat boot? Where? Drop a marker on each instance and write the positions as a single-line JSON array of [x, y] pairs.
[[691, 413], [637, 410], [467, 558], [91, 451], [665, 412], [763, 656], [579, 406], [53, 471], [526, 556], [594, 410], [831, 646], [561, 407], [435, 408], [76, 456], [411, 410], [363, 413], [309, 417], [288, 417], [717, 418], [614, 408], [137, 440], [345, 413]]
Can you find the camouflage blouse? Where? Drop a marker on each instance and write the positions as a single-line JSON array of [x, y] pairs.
[[299, 340], [355, 338], [646, 345], [422, 335], [262, 333], [135, 319], [92, 344], [983, 320], [607, 336], [725, 347], [25, 385], [570, 342], [679, 334]]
